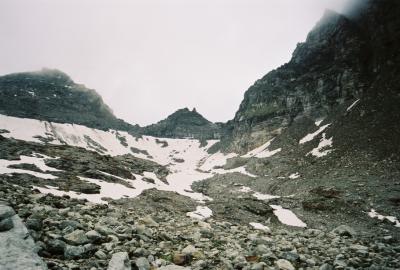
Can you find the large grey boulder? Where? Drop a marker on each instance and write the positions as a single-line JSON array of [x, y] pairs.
[[119, 261], [17, 248]]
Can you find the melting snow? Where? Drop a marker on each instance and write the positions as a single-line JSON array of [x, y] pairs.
[[244, 189], [241, 170], [262, 151], [352, 105], [318, 122], [311, 136], [324, 143], [264, 197], [38, 161], [202, 212], [197, 163], [258, 195], [259, 226], [287, 217], [215, 160], [374, 214]]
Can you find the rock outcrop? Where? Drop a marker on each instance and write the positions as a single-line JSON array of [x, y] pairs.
[[184, 123]]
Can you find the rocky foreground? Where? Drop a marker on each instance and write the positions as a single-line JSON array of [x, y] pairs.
[[74, 234]]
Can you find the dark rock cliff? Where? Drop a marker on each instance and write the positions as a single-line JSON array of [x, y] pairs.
[[344, 58]]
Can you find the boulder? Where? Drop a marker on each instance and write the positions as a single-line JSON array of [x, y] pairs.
[[6, 212], [142, 263], [6, 224], [17, 248], [119, 261], [76, 238], [284, 265], [344, 230]]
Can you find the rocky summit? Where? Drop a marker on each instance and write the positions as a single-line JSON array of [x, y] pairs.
[[184, 123], [305, 176], [51, 95]]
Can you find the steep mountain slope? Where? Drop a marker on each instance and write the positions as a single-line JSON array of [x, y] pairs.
[[343, 59], [331, 119], [51, 95], [182, 124]]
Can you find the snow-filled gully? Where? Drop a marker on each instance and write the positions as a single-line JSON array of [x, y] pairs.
[[195, 162]]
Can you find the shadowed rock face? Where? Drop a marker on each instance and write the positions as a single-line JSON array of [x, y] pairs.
[[342, 59], [51, 95], [184, 123]]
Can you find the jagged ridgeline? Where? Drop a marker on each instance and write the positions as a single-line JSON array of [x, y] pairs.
[[51, 95]]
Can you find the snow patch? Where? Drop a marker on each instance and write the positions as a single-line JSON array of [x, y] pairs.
[[392, 219], [287, 217], [323, 144], [264, 197], [202, 213], [241, 169], [197, 164], [262, 151], [244, 189], [294, 175], [311, 136], [318, 122], [352, 105], [215, 160], [36, 160]]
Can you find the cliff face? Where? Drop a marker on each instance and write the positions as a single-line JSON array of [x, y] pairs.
[[51, 95], [342, 59], [184, 123]]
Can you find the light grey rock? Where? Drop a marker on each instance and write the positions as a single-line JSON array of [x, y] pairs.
[[77, 237], [358, 247], [258, 266], [284, 265], [190, 249], [100, 255], [17, 248], [142, 263], [104, 230], [344, 230], [326, 266], [93, 235], [74, 252], [119, 261]]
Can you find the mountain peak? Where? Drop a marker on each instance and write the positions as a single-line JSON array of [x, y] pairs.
[[51, 95], [183, 123]]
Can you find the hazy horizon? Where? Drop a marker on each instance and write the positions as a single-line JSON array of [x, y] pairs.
[[149, 58]]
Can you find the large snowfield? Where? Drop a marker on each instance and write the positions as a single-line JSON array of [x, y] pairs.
[[187, 160]]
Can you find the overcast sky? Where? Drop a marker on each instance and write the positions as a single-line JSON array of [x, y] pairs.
[[149, 58]]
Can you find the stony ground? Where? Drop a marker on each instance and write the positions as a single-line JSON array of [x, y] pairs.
[[153, 234]]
